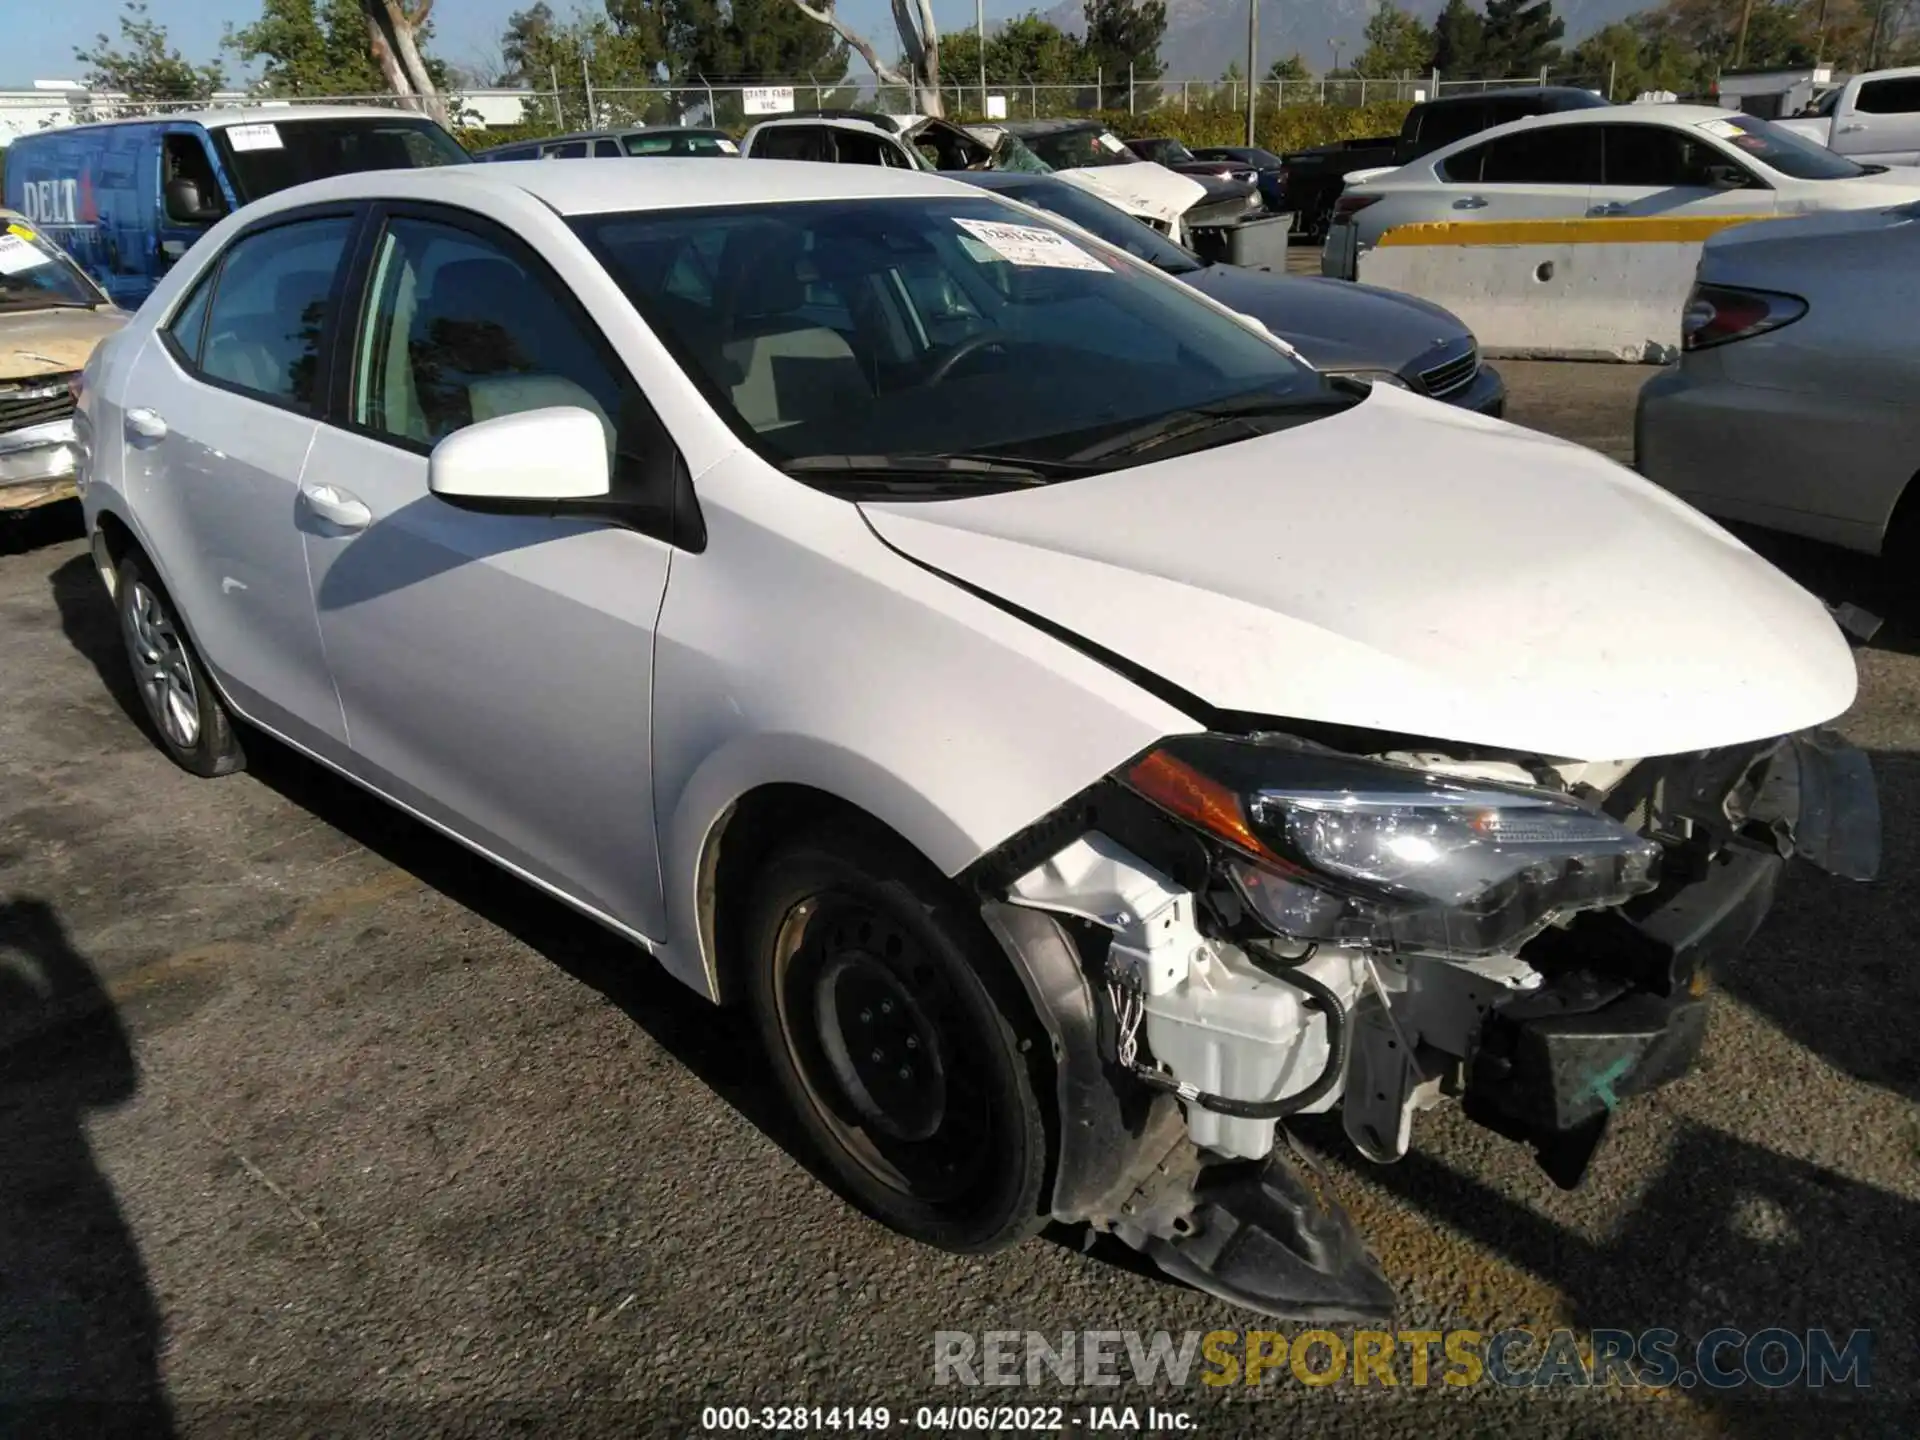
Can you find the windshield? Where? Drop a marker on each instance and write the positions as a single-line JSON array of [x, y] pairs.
[[1011, 153], [270, 156], [1080, 149], [1780, 149], [36, 275], [907, 335], [1109, 222], [681, 142]]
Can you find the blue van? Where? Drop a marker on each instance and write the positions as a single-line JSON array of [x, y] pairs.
[[126, 198]]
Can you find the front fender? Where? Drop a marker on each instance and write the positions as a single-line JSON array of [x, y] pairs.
[[798, 648]]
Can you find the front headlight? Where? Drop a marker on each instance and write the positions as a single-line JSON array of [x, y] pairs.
[[1323, 846], [1373, 377]]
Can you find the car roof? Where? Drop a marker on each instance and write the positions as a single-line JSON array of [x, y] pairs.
[[253, 115], [1574, 94], [1047, 127], [613, 134], [664, 183], [1673, 116]]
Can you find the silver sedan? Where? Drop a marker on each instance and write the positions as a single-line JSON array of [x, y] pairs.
[[1792, 404]]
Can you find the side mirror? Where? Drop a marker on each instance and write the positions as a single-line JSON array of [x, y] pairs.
[[187, 206], [526, 460]]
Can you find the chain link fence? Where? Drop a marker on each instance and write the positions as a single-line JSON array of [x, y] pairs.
[[734, 103]]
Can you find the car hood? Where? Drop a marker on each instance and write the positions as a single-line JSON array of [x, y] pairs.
[[1407, 567], [52, 342], [1334, 324], [1143, 189]]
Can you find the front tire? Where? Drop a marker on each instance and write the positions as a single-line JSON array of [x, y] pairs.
[[188, 718], [900, 1038]]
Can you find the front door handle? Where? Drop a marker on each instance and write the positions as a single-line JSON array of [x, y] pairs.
[[340, 509], [145, 424], [1610, 207], [1471, 202], [1851, 129]]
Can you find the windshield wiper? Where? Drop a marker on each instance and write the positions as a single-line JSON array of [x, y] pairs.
[[1195, 420], [951, 466]]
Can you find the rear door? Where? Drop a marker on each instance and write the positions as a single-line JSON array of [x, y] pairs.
[[1546, 172], [1883, 125], [1655, 170], [219, 412]]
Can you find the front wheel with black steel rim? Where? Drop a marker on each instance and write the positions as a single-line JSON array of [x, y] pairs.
[[901, 1038], [192, 724]]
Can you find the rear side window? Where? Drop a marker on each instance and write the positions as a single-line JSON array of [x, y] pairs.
[[1551, 155], [791, 142], [603, 149], [263, 324], [1889, 97], [571, 150], [189, 323]]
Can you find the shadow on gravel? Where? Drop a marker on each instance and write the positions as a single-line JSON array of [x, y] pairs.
[[45, 526], [1836, 966], [79, 1326], [1731, 1234], [88, 621]]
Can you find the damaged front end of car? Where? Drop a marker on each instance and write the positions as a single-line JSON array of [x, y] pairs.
[[1236, 929]]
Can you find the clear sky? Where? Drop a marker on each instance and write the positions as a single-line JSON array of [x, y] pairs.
[[40, 35]]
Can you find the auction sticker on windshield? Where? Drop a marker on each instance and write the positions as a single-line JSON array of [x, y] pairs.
[[1722, 129], [17, 255], [1030, 245], [254, 137]]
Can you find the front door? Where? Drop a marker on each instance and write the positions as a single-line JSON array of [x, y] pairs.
[[496, 670], [1650, 171], [220, 410]]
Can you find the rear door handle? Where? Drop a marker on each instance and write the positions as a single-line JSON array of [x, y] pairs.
[[1471, 202], [145, 424], [1611, 207], [339, 508]]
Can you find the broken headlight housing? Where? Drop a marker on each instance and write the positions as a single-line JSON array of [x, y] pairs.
[[1325, 846]]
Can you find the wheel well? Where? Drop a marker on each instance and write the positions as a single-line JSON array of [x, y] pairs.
[[1903, 524], [745, 835], [112, 543]]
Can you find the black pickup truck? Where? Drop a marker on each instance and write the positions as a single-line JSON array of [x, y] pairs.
[[1313, 178]]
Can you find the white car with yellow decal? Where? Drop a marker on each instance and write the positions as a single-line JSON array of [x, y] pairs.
[[1619, 163]]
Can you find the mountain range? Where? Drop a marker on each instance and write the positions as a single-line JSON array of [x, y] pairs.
[[1205, 36]]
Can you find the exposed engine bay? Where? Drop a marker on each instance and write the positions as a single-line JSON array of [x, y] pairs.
[[1265, 926]]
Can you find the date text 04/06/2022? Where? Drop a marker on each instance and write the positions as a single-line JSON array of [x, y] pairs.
[[943, 1419]]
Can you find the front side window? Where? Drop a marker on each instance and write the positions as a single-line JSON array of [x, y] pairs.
[[1657, 157], [458, 331], [269, 303], [1080, 149], [791, 142], [832, 332], [268, 156]]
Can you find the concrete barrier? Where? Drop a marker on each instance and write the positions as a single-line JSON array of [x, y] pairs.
[[1589, 289]]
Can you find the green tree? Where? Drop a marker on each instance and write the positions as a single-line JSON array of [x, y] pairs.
[[1520, 37], [309, 47], [526, 30], [918, 69], [1123, 33], [148, 70], [1458, 40], [1029, 50], [752, 40], [1292, 67], [1397, 44], [592, 48]]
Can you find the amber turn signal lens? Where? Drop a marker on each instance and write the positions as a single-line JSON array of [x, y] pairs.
[[1181, 790]]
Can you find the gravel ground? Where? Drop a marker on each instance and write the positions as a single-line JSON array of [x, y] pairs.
[[312, 1124]]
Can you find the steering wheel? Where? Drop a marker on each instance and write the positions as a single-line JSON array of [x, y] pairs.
[[960, 352]]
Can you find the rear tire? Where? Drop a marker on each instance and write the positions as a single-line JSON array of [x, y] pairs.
[[900, 1037], [188, 717]]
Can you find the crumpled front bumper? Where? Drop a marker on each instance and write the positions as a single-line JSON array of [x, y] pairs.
[[38, 464]]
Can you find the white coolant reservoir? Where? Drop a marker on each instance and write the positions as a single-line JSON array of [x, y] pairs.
[[1232, 1029]]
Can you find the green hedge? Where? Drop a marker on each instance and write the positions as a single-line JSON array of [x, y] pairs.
[[1294, 127]]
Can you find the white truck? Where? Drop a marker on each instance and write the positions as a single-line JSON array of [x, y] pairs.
[[1872, 118]]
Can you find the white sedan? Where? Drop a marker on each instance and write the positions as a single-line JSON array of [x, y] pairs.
[[1619, 162], [1079, 734]]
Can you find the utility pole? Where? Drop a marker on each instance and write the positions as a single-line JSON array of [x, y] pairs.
[[1740, 44], [980, 29], [1253, 65]]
